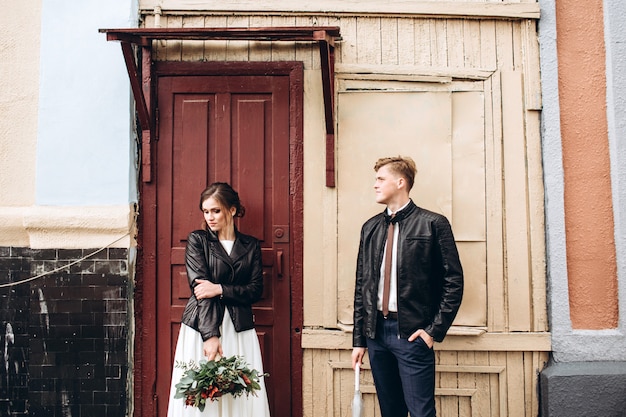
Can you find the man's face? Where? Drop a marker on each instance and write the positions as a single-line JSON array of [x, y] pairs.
[[387, 185]]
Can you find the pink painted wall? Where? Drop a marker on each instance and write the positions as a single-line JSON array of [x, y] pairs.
[[591, 263]]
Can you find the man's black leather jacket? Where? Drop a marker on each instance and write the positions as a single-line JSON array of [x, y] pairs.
[[430, 277], [240, 274]]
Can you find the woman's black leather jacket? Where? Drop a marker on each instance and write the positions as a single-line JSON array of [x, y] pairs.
[[430, 276], [240, 274]]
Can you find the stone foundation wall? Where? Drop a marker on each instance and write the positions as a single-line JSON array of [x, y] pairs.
[[584, 389]]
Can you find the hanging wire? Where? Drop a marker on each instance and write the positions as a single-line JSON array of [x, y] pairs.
[[23, 281]]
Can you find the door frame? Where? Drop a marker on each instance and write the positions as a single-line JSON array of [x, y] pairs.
[[145, 308]]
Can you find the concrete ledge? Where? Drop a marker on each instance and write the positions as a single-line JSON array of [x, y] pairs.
[[458, 339], [12, 230], [583, 389], [41, 227]]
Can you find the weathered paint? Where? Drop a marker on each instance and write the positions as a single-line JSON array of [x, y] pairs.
[[19, 66], [65, 126], [569, 344], [615, 35], [485, 56], [592, 269]]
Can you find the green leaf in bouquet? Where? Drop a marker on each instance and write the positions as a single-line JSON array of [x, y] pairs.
[[213, 379]]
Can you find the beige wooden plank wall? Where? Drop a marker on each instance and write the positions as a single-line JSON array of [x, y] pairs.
[[514, 9], [497, 59], [506, 49], [468, 384]]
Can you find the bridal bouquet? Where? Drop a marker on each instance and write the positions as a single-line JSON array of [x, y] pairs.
[[209, 380]]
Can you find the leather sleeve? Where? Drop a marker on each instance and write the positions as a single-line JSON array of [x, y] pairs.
[[358, 335], [452, 281], [208, 312]]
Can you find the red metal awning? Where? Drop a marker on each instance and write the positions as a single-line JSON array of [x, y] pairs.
[[325, 36]]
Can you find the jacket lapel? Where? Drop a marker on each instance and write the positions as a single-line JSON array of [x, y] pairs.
[[216, 248], [240, 248]]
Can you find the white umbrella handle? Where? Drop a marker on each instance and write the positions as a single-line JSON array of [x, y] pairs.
[[357, 380]]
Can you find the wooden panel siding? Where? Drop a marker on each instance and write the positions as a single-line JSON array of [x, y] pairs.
[[419, 42], [483, 57], [493, 9], [470, 384]]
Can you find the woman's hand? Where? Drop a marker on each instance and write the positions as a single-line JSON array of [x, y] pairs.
[[206, 289], [212, 348]]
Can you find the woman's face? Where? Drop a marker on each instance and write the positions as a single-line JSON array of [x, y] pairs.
[[217, 217]]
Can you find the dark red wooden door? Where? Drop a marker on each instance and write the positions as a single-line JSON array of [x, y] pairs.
[[233, 129]]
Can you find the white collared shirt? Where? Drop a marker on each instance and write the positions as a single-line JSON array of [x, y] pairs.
[[393, 285]]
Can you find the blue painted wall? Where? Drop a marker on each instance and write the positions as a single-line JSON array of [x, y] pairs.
[[86, 145]]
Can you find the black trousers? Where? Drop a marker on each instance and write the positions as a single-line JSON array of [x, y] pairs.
[[404, 372]]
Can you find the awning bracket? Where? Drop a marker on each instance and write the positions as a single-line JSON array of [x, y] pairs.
[[325, 36]]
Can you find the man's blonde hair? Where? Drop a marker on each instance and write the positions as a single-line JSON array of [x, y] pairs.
[[401, 165]]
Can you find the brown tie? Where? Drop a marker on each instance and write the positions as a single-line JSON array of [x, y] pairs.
[[387, 275]]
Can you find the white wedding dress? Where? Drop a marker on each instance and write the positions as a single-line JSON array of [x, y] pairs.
[[245, 344]]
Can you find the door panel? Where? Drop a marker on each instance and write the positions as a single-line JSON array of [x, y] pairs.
[[443, 131], [233, 129]]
